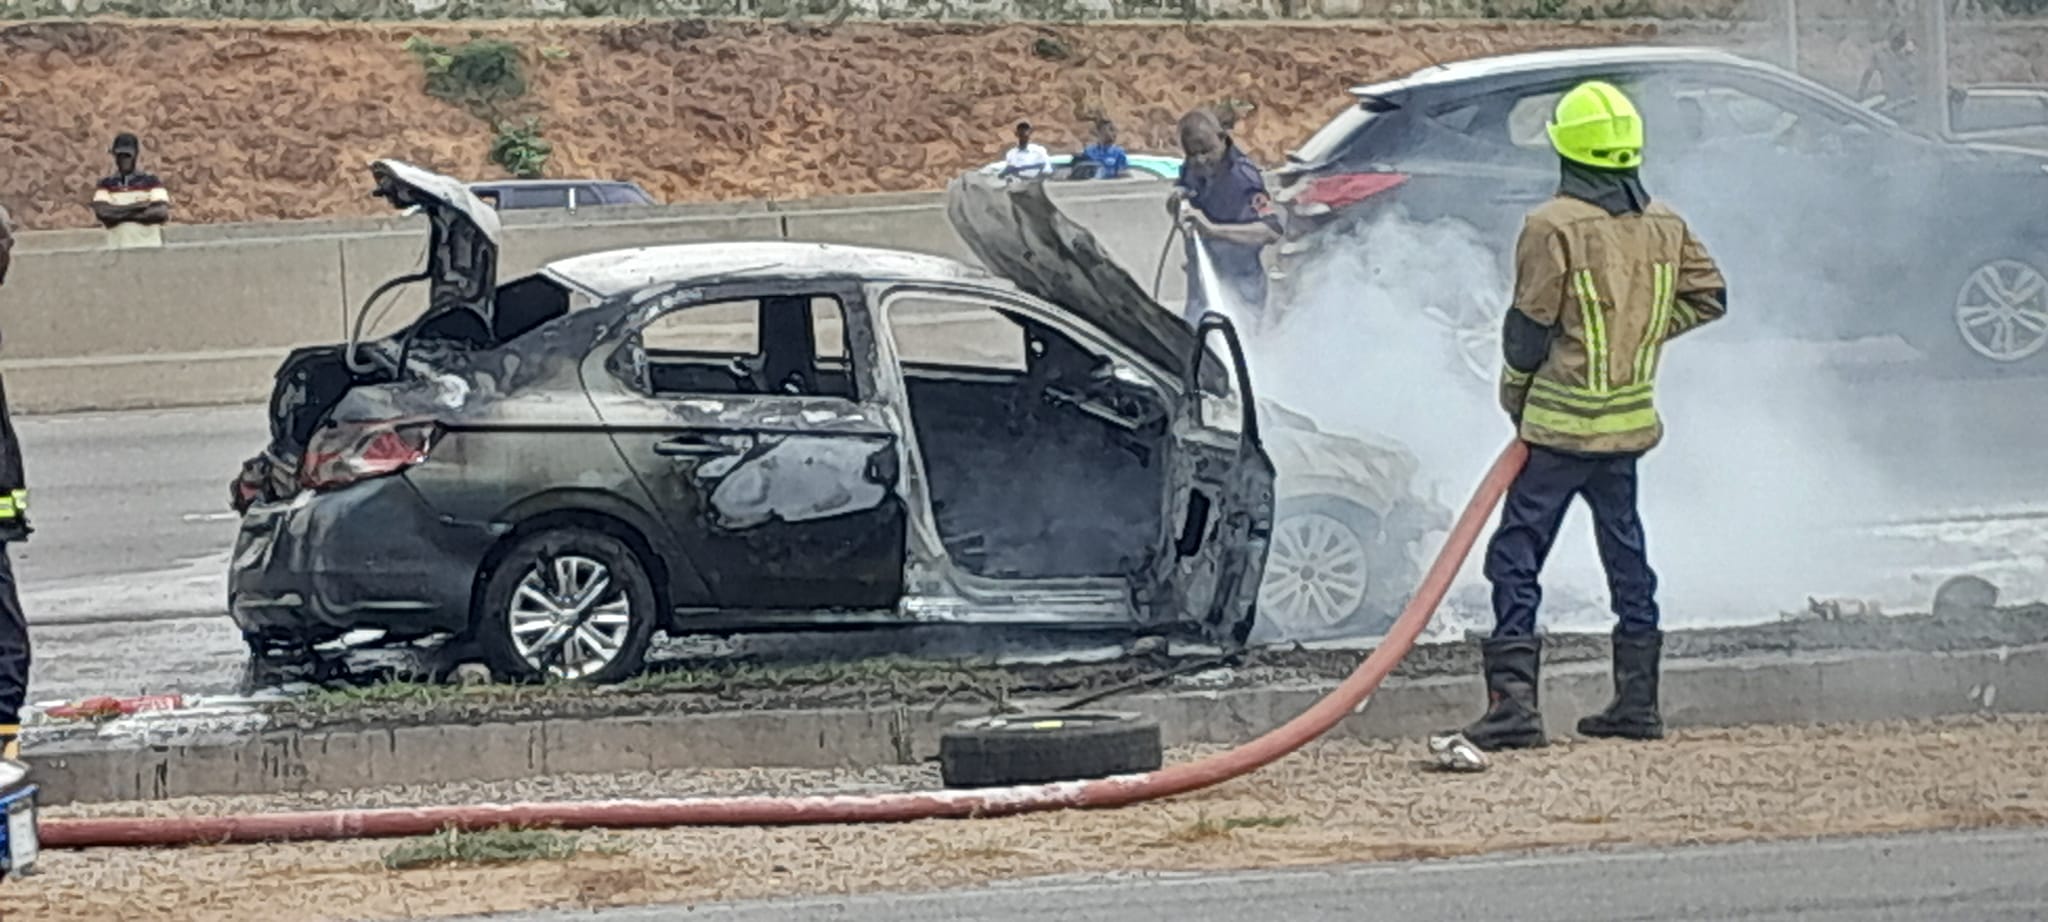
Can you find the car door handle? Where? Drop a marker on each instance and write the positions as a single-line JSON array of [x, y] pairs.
[[692, 447]]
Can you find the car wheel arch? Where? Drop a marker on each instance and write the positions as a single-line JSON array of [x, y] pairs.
[[668, 567], [1316, 489], [1384, 536]]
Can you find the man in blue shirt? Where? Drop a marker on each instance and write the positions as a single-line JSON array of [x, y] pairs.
[[1221, 197], [1108, 157]]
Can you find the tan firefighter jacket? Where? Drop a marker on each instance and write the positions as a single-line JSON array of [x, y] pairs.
[[1608, 291]]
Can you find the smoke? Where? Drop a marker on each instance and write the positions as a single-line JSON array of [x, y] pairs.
[[1745, 502]]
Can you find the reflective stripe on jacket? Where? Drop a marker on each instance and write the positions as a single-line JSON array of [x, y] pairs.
[[1606, 292]]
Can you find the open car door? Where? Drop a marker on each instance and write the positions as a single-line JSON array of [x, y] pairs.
[[1219, 502], [1220, 482]]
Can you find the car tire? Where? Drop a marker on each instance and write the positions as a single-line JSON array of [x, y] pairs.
[[551, 576], [1333, 569], [1040, 748], [1995, 316]]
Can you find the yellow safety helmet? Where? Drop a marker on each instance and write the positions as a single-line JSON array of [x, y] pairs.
[[1595, 124]]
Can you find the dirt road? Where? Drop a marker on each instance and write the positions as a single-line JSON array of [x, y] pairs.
[[1333, 803]]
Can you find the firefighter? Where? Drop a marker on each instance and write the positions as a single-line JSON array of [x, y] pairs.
[[1604, 279], [1227, 207], [13, 528]]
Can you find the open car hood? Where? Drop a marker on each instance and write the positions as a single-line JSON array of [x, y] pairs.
[[462, 261], [1018, 233]]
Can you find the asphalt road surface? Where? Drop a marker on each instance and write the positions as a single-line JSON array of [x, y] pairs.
[[1992, 877]]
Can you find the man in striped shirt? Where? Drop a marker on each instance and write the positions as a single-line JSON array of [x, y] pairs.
[[132, 205]]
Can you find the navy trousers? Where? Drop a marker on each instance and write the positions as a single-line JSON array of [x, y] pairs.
[[1529, 521]]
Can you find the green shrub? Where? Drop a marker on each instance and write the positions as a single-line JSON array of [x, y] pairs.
[[521, 150], [479, 74]]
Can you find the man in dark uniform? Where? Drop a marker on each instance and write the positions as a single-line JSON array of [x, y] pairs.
[[14, 653], [1221, 198], [1605, 278]]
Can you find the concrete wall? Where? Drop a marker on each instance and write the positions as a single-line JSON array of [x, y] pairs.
[[206, 318]]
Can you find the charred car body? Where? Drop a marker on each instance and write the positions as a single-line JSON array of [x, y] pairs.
[[755, 436], [1869, 229]]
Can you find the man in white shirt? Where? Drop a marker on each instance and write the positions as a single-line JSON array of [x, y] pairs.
[[1027, 160], [131, 204]]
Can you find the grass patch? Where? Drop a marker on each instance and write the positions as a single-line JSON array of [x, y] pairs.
[[344, 699], [885, 678], [503, 845]]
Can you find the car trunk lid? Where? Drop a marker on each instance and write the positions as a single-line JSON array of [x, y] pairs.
[[462, 261]]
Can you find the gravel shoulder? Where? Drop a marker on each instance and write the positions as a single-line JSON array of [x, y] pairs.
[[1335, 802]]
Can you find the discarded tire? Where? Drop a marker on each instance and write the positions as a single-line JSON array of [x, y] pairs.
[[1037, 748]]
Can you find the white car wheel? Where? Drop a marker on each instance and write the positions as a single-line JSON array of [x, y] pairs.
[[1475, 337], [569, 604], [1318, 572], [568, 618], [2002, 311]]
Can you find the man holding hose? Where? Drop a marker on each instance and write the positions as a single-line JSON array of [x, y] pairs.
[[1604, 277], [1221, 202]]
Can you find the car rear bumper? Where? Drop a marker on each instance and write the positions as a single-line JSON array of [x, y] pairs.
[[369, 556]]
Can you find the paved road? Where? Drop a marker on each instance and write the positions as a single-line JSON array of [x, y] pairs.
[[130, 507], [1979, 877]]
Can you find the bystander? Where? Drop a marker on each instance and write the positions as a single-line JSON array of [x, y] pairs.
[[131, 204]]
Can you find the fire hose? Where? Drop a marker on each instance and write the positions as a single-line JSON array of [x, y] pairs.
[[1348, 697]]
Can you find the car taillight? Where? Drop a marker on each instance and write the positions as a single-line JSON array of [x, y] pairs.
[[345, 453], [1324, 194]]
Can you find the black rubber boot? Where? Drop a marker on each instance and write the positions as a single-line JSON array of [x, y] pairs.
[[1633, 715], [1513, 673]]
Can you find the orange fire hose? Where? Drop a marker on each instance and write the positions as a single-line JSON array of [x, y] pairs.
[[1347, 698]]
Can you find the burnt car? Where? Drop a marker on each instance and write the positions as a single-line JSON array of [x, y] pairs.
[[756, 436], [1842, 224]]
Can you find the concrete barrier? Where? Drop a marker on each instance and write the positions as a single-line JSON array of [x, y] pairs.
[[1844, 687], [205, 318]]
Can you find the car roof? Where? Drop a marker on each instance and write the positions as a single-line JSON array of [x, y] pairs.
[[1565, 59], [615, 272]]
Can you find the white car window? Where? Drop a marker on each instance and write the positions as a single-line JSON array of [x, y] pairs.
[[955, 332], [1995, 110], [1529, 120]]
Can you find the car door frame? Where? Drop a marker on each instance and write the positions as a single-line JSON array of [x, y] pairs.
[[939, 589], [1219, 520], [735, 431]]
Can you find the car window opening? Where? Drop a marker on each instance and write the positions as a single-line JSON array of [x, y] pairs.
[[1043, 461], [779, 345]]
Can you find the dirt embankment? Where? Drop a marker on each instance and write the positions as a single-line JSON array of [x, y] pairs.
[[252, 121], [269, 120]]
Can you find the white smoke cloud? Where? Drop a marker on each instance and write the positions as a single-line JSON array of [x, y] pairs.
[[1744, 502]]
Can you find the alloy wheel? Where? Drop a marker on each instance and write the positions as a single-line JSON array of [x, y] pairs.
[[1475, 338], [2002, 311], [569, 618], [1317, 573]]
